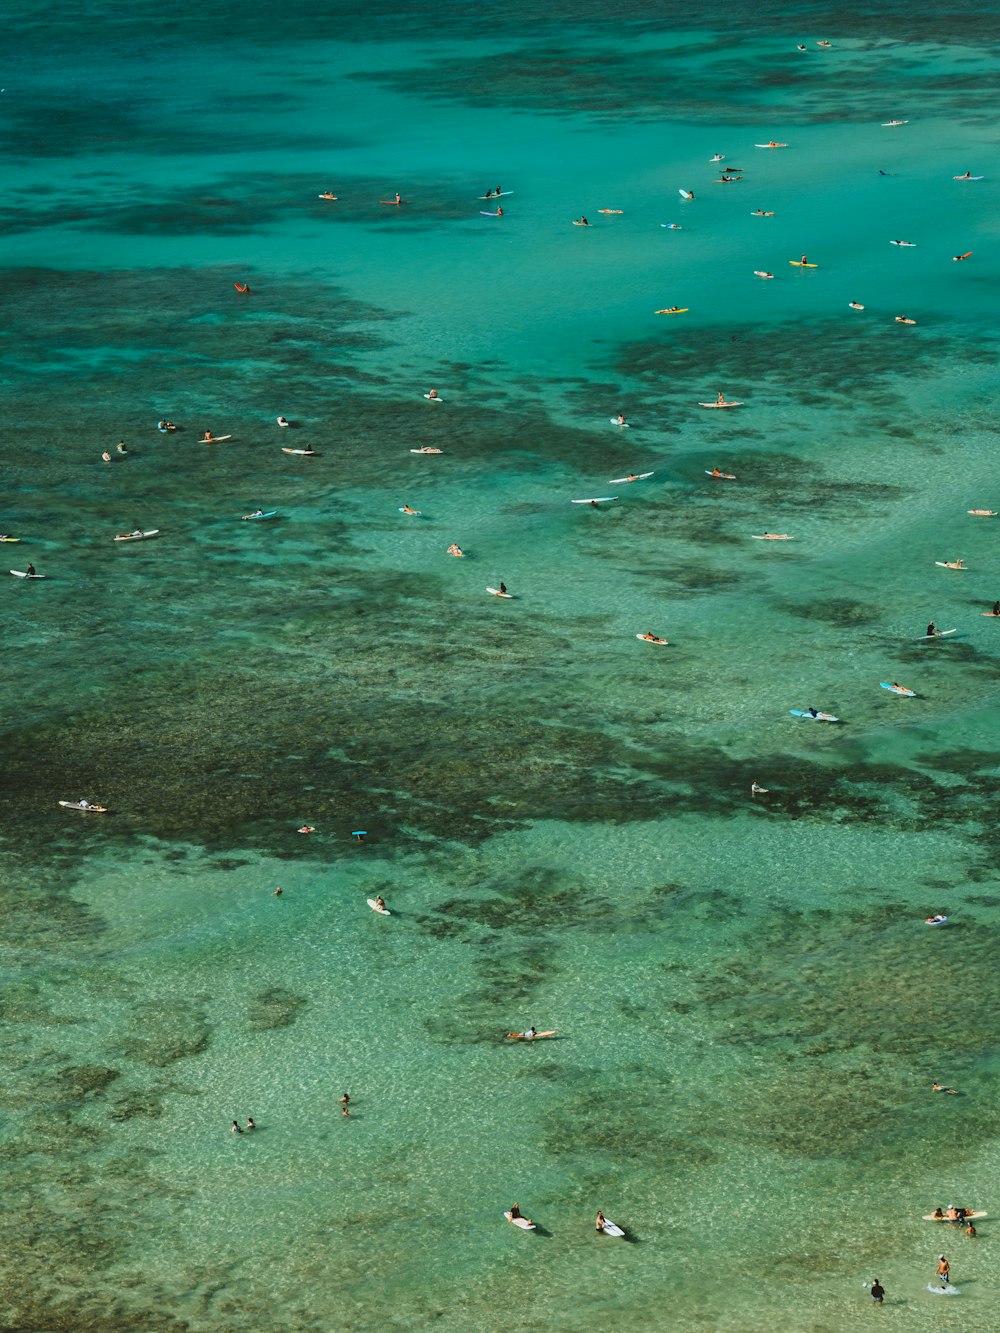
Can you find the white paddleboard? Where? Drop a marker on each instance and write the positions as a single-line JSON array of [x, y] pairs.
[[949, 564], [426, 450], [967, 178], [135, 536], [615, 422], [88, 809], [521, 1222], [721, 476], [216, 439], [497, 593], [382, 911], [939, 635], [685, 194], [434, 398], [720, 404], [595, 500], [307, 453], [660, 643], [640, 476], [23, 574], [610, 1229], [497, 194], [771, 537]]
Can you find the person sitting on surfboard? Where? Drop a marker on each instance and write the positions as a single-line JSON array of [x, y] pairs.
[[621, 419], [106, 456], [380, 902], [583, 221], [30, 569], [503, 587], [932, 629], [432, 393], [515, 1212], [207, 438]]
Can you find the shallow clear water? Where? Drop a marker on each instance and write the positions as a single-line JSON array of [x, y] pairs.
[[749, 1008]]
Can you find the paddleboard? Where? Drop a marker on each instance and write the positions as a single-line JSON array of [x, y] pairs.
[[734, 404], [412, 513], [23, 574], [612, 212], [721, 476], [771, 537], [615, 422], [820, 717], [216, 439], [989, 613], [770, 145], [243, 288], [662, 643], [937, 921], [672, 226], [248, 518], [979, 513], [909, 245], [640, 477], [719, 157], [497, 194], [88, 809], [761, 273], [497, 593], [972, 1216], [950, 564], [727, 180], [521, 1222], [526, 1036], [855, 305], [394, 203], [942, 633], [580, 223], [611, 1229], [901, 319], [433, 398], [898, 689], [282, 421], [10, 539], [484, 214], [331, 197], [888, 124], [685, 194], [681, 310], [382, 911], [957, 259], [595, 500], [306, 453], [761, 213], [797, 263], [427, 450], [135, 536], [967, 178]]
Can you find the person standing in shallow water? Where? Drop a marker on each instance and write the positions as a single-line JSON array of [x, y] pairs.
[[878, 1291]]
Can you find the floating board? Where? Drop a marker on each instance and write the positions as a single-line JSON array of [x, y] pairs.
[[938, 921], [820, 717], [898, 689], [798, 263], [685, 194], [242, 287], [681, 310], [771, 537], [989, 613], [521, 1222], [497, 593], [909, 245], [248, 518], [427, 450], [736, 404], [497, 194], [972, 1216], [433, 398], [394, 203], [88, 809], [306, 453], [855, 305], [661, 643], [524, 1036], [23, 574], [888, 124], [721, 476], [610, 1229], [727, 180], [942, 633], [955, 259], [595, 500], [762, 273], [615, 422], [639, 477], [719, 157], [901, 319], [282, 421], [413, 513], [612, 212], [967, 178], [770, 145], [382, 911], [331, 197], [580, 223], [135, 536], [216, 439], [762, 213], [484, 214], [950, 564], [17, 539], [672, 226]]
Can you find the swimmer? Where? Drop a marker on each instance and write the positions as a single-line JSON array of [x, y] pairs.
[[757, 790], [235, 1128], [957, 259], [600, 1220], [278, 892], [855, 305], [970, 1230], [940, 1087], [966, 176], [407, 510], [937, 920], [120, 446], [106, 456], [207, 438], [306, 828], [243, 288], [996, 609], [250, 1123], [721, 399], [503, 587], [345, 1099]]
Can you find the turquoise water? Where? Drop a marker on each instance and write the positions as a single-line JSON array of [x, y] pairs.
[[749, 1008]]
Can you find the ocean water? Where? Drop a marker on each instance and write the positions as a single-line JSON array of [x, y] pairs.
[[749, 1008]]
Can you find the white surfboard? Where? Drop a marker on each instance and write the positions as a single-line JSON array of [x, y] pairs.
[[615, 422], [135, 536], [306, 453], [497, 593], [942, 633], [611, 1229], [382, 911], [615, 481], [660, 643], [685, 194], [216, 439], [734, 404], [433, 397], [595, 500], [426, 450], [950, 564], [521, 1222], [23, 574]]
